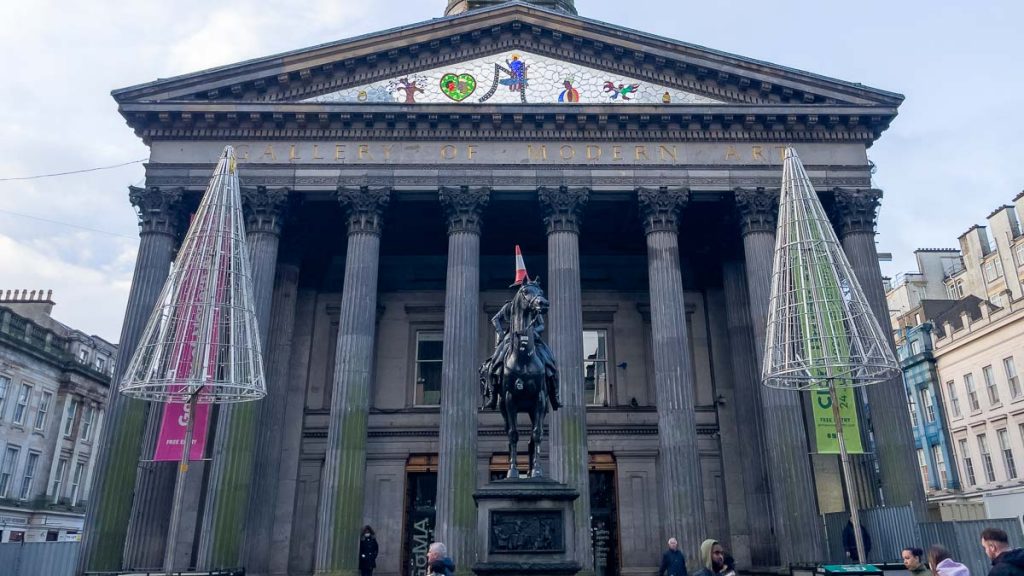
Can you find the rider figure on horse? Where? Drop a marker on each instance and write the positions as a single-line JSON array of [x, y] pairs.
[[491, 371]]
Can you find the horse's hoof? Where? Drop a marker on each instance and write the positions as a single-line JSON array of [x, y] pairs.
[[537, 473], [513, 474]]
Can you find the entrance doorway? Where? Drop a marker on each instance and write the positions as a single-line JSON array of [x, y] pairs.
[[420, 513], [604, 515]]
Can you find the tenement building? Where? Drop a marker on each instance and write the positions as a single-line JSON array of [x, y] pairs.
[[54, 382], [387, 179]]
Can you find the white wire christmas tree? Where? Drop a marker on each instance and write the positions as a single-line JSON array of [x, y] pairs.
[[821, 332], [201, 345]]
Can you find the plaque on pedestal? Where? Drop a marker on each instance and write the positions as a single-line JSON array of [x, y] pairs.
[[526, 526]]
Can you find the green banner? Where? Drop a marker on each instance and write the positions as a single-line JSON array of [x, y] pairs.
[[825, 426]]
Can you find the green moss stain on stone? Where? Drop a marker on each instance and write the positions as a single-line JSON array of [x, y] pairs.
[[348, 512], [233, 491]]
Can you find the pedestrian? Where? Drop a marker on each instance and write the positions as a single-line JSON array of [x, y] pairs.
[[367, 551], [913, 561], [850, 542], [942, 565], [1006, 561], [438, 562], [673, 563], [712, 558]]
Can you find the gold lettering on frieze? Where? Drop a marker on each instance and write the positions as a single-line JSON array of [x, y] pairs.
[[316, 153], [364, 152], [782, 153], [566, 152], [731, 153], [755, 153], [242, 152], [387, 151], [541, 152], [293, 154], [471, 151], [617, 153], [449, 152], [593, 152], [664, 153], [339, 152], [640, 153], [268, 152]]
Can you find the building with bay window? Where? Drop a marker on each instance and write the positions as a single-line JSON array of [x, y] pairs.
[[387, 179]]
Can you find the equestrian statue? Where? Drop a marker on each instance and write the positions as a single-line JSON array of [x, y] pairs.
[[521, 375]]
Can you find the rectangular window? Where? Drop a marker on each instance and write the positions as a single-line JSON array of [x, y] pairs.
[[990, 384], [999, 267], [101, 363], [954, 400], [429, 348], [21, 407], [595, 367], [940, 466], [1020, 254], [913, 409], [968, 464], [88, 414], [923, 464], [44, 408], [986, 458], [69, 418], [10, 461], [83, 355], [58, 480], [1004, 446], [1011, 377], [929, 407], [30, 472], [5, 386], [972, 392], [76, 482], [915, 348]]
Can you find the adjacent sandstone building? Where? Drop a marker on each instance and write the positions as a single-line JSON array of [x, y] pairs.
[[388, 178]]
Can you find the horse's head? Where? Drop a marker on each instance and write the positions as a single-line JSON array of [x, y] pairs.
[[530, 298]]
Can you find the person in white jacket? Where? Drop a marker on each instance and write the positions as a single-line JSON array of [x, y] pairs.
[[942, 565]]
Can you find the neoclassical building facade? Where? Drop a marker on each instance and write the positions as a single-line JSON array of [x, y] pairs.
[[387, 179]]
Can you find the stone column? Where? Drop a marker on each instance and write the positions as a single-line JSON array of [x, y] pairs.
[[570, 458], [106, 521], [224, 520], [457, 469], [750, 419], [679, 472], [854, 214], [341, 488], [791, 478]]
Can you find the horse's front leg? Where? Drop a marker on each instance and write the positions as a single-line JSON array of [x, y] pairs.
[[537, 439], [513, 436]]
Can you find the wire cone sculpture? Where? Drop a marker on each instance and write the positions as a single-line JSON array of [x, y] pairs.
[[820, 327], [202, 343]]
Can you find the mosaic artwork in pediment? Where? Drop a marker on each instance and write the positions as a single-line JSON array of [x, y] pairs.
[[514, 78]]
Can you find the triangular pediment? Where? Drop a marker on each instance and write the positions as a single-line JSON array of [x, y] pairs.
[[514, 77]]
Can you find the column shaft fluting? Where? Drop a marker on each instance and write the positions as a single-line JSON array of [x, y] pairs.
[[457, 460], [749, 416], [679, 472], [110, 502], [563, 208], [224, 520], [855, 212], [342, 487], [791, 478], [151, 511]]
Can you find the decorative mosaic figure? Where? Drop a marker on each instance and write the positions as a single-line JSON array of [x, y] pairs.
[[623, 90], [458, 87], [410, 87], [517, 80], [570, 94]]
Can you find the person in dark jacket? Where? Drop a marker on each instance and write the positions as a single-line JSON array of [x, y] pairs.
[[367, 552], [913, 561], [438, 562], [673, 563], [850, 542], [1006, 561], [712, 559]]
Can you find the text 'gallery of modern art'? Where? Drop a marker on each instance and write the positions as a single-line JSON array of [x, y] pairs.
[[387, 179]]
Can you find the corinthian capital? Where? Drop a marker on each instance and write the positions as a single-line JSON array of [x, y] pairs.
[[159, 209], [464, 207], [660, 207], [265, 209], [563, 207], [364, 207], [758, 209], [855, 210]]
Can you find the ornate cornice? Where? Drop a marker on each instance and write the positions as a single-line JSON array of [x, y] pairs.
[[159, 209], [854, 211], [660, 208], [758, 210], [265, 209], [563, 207], [464, 207], [364, 208]]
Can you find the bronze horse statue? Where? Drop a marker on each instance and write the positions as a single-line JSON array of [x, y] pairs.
[[522, 379]]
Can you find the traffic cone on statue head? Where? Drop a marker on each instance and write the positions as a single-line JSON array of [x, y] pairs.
[[521, 275]]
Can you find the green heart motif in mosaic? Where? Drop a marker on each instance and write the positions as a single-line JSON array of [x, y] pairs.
[[458, 87]]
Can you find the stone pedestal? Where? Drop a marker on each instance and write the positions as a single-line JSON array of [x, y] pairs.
[[526, 527]]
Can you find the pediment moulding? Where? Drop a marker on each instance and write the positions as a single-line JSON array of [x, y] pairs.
[[496, 31]]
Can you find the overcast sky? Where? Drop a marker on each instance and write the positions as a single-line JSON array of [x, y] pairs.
[[950, 158]]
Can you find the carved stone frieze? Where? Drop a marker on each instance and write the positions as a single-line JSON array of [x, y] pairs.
[[660, 207], [159, 209], [563, 207], [364, 208], [526, 531], [855, 210], [265, 209], [758, 210], [464, 207]]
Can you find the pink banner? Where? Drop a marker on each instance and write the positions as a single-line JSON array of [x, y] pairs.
[[172, 433]]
